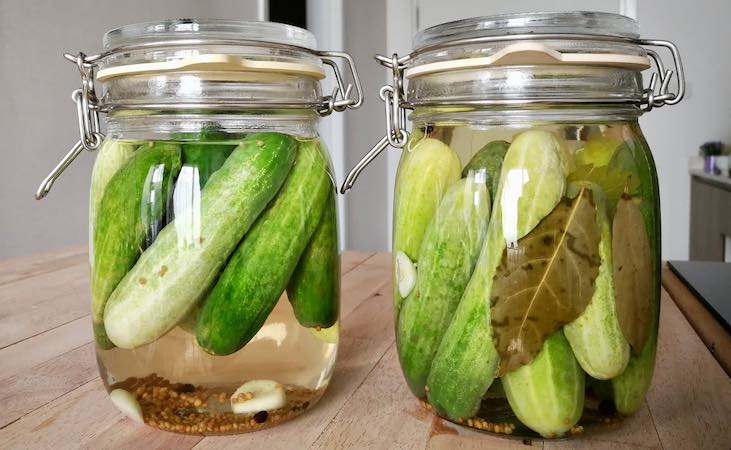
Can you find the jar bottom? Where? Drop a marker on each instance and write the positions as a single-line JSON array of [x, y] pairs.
[[188, 409], [497, 418]]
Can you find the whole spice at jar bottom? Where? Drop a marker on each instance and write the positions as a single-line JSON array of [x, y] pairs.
[[185, 408]]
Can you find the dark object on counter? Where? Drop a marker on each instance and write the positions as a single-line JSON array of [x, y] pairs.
[[711, 283]]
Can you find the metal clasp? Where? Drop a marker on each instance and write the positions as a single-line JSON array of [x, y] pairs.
[[341, 99], [653, 96], [87, 112], [396, 106]]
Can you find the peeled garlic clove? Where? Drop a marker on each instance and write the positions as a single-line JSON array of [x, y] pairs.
[[127, 404], [405, 274], [258, 395], [329, 335]]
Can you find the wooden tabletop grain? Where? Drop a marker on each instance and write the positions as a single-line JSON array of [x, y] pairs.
[[51, 395]]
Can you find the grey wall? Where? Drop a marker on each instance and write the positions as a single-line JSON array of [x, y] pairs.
[[367, 212], [701, 31], [38, 120]]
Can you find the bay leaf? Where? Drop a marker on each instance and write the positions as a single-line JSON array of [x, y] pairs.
[[632, 267], [613, 181], [546, 281]]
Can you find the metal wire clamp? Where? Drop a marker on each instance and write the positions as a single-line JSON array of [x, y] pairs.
[[88, 105]]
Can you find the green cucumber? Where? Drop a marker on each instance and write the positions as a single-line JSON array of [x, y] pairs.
[[629, 388], [178, 268], [595, 336], [426, 169], [314, 289], [532, 182], [112, 155], [447, 256], [547, 395], [132, 205], [258, 271], [206, 152], [490, 157]]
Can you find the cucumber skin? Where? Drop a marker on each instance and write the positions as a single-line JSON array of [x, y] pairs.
[[466, 361], [208, 158], [630, 387], [112, 155], [426, 169], [258, 271], [490, 157], [177, 273], [448, 254], [596, 336], [120, 230], [314, 289], [547, 395]]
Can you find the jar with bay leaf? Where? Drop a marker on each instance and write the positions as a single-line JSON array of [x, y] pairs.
[[526, 238]]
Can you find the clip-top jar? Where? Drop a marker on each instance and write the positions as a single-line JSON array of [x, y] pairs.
[[213, 225], [526, 230]]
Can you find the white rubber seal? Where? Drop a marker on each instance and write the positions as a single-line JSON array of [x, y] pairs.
[[532, 53]]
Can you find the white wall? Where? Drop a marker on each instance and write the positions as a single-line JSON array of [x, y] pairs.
[[673, 132], [37, 118], [701, 31]]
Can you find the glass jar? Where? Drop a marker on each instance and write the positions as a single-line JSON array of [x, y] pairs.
[[214, 255], [526, 235]]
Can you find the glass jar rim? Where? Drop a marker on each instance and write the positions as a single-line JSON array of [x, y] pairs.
[[574, 22], [208, 29]]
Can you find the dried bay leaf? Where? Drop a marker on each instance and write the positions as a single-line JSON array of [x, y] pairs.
[[612, 180], [632, 261], [546, 281]]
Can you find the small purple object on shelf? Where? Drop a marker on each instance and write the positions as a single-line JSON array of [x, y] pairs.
[[709, 165]]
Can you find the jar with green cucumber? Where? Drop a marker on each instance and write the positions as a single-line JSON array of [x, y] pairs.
[[213, 222], [526, 221]]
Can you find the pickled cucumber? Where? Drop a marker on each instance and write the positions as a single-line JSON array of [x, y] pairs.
[[629, 388], [448, 253], [426, 170], [490, 157], [595, 336], [181, 271], [532, 182], [547, 395]]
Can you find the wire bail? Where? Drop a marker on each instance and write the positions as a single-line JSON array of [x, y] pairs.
[[87, 113], [394, 99], [340, 100]]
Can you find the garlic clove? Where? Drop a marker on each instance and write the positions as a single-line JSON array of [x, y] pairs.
[[258, 395], [405, 274], [127, 404]]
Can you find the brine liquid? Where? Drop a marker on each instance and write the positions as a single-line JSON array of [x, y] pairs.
[[282, 351]]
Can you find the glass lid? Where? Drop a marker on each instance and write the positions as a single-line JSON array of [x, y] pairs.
[[207, 29], [578, 22]]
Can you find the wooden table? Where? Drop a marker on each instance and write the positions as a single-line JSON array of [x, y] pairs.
[[52, 397]]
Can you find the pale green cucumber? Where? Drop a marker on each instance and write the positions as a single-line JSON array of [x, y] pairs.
[[595, 336], [447, 257], [629, 388], [111, 156], [547, 395], [426, 170], [184, 261], [532, 182], [134, 198], [258, 271]]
